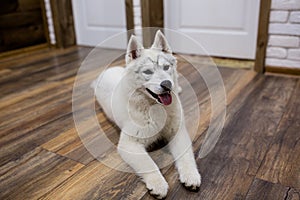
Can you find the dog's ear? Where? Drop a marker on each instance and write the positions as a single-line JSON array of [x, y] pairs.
[[134, 49], [161, 43]]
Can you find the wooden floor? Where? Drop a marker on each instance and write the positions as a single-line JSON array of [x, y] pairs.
[[42, 157]]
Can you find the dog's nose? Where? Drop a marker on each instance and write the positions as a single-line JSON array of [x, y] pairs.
[[166, 84]]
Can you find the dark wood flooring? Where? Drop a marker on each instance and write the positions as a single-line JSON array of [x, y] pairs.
[[42, 157]]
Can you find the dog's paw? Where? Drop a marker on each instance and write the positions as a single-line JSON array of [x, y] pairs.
[[157, 186], [191, 180]]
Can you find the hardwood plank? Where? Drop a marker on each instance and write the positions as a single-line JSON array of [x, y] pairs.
[[35, 174], [234, 82], [45, 110], [32, 57], [32, 75], [65, 143], [171, 174], [223, 62], [43, 105], [40, 109], [228, 171], [282, 161], [35, 110], [24, 139], [4, 72], [68, 143], [55, 68], [22, 51], [30, 92], [97, 181], [38, 125], [263, 190], [55, 59]]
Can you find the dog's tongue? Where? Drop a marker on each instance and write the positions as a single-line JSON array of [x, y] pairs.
[[165, 98]]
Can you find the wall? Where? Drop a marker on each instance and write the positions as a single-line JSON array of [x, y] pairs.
[[137, 19], [21, 24], [284, 34], [50, 21]]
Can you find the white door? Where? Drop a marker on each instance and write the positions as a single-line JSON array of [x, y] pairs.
[[97, 20], [226, 28]]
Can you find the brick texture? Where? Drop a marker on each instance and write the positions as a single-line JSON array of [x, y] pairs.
[[283, 41], [282, 63], [294, 54], [137, 19], [279, 16], [284, 29], [285, 4], [295, 17], [284, 34], [276, 52]]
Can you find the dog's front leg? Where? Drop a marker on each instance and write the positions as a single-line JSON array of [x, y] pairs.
[[181, 149], [135, 154]]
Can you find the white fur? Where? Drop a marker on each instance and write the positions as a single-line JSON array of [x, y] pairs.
[[122, 94]]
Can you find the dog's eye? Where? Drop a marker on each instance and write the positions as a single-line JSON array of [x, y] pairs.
[[148, 72], [166, 67]]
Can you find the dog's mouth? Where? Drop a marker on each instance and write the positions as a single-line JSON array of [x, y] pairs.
[[164, 98]]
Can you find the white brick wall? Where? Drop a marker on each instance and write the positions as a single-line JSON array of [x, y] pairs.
[[284, 34], [294, 54], [284, 29], [276, 52], [137, 19], [283, 41], [285, 4], [279, 16], [50, 22], [295, 17]]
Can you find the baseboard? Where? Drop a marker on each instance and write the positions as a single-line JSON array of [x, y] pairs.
[[283, 70]]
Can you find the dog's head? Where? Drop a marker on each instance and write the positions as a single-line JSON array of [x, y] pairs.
[[154, 69]]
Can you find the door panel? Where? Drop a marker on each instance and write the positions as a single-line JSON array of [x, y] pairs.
[[224, 28], [97, 20]]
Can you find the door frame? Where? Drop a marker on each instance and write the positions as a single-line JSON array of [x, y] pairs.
[[262, 36], [63, 23]]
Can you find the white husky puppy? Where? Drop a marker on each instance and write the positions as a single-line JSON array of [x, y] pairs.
[[142, 99]]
